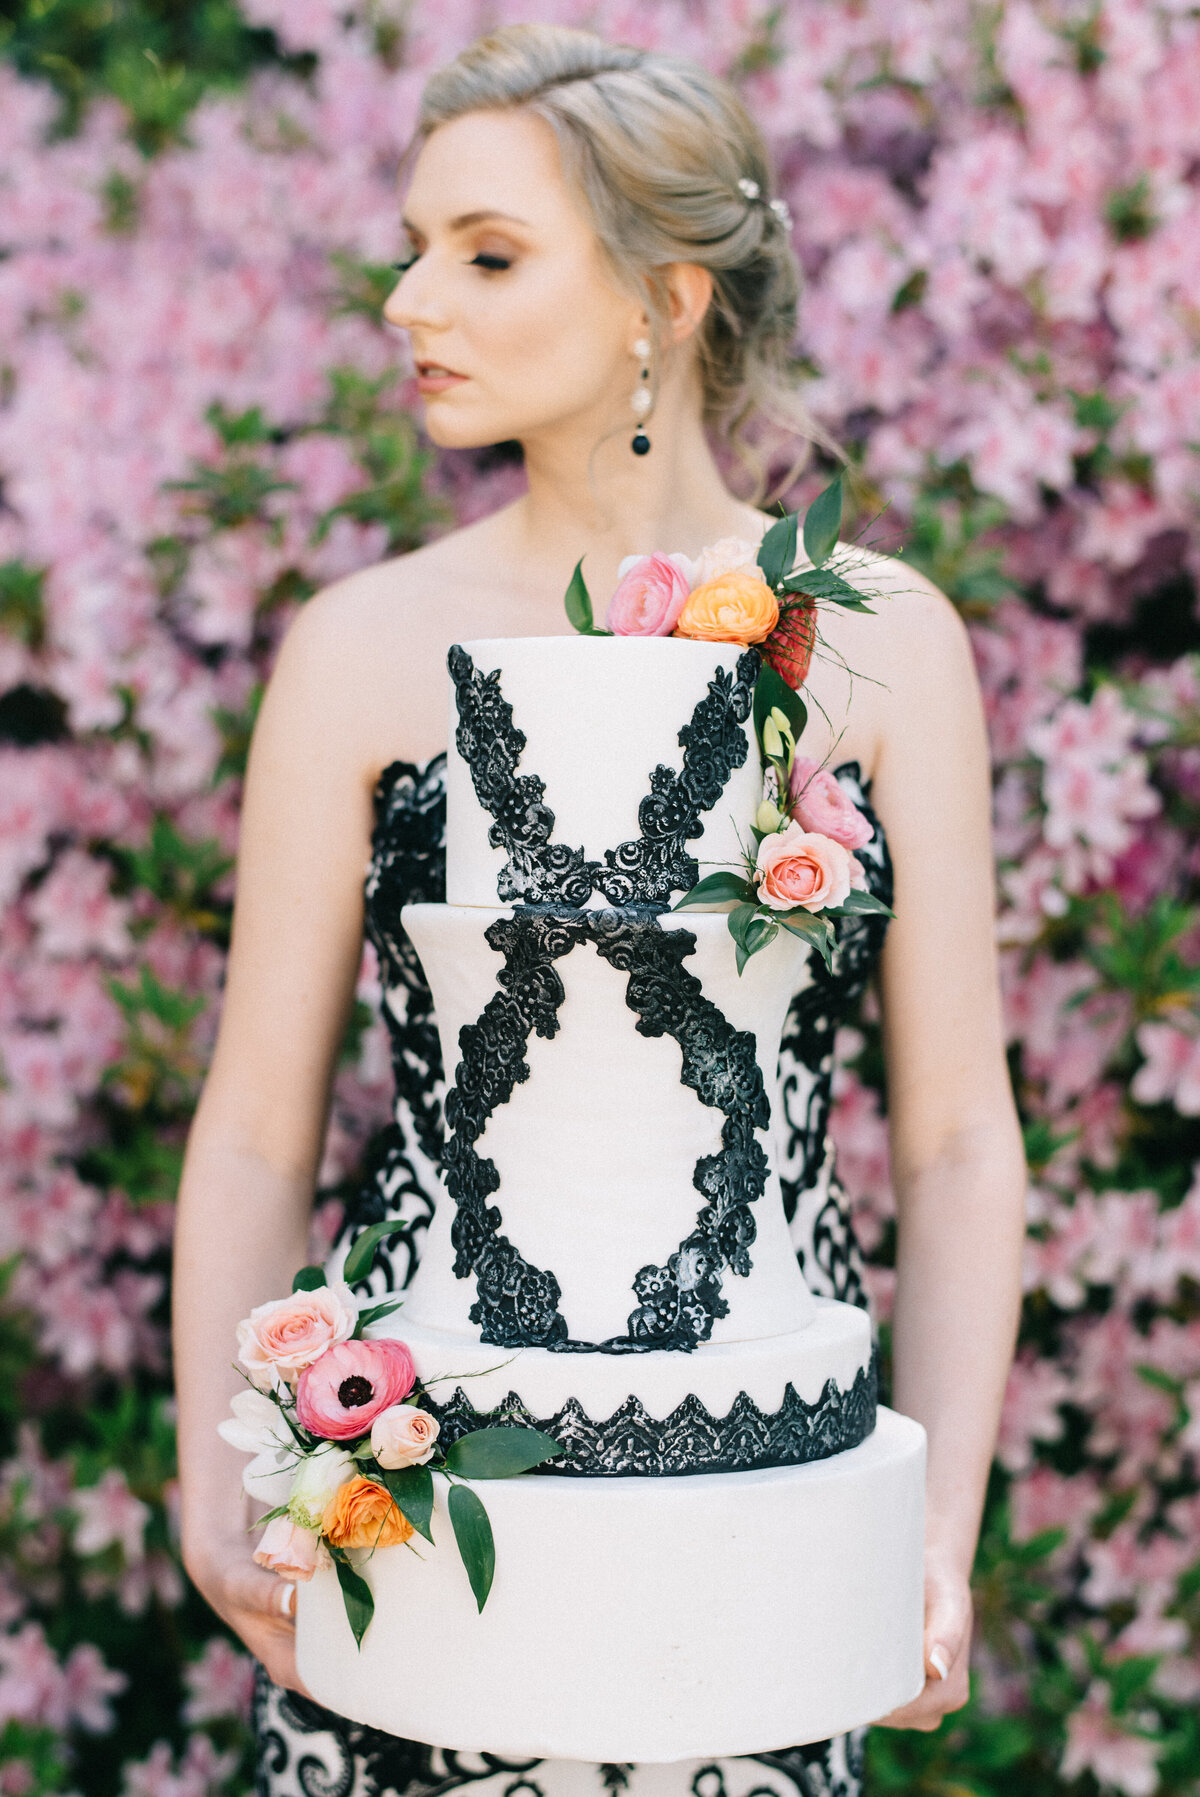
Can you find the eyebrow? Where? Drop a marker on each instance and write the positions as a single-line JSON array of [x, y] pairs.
[[470, 218]]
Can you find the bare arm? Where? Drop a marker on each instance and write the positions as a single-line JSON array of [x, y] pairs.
[[255, 1142], [957, 1156]]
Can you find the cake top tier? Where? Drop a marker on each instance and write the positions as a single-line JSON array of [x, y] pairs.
[[596, 770]]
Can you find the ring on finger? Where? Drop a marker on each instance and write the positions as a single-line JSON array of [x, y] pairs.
[[287, 1600]]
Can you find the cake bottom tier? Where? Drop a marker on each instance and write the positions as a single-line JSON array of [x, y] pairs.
[[637, 1619]]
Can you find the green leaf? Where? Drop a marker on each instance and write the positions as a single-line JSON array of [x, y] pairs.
[[771, 689], [823, 583], [578, 602], [714, 889], [500, 1452], [822, 522], [738, 922], [813, 930], [751, 930], [473, 1533], [412, 1488], [309, 1279], [377, 1312], [356, 1595], [859, 902], [777, 550], [358, 1261]]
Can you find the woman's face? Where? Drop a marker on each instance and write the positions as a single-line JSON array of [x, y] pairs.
[[524, 306]]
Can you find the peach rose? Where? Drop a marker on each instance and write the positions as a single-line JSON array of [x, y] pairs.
[[292, 1552], [288, 1334], [801, 867], [649, 598], [404, 1436], [364, 1514], [736, 607], [817, 802]]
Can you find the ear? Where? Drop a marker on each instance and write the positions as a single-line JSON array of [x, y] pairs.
[[689, 290]]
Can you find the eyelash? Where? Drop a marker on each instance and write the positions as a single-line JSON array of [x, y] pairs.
[[489, 264]]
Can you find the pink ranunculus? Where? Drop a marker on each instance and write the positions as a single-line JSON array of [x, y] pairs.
[[649, 598], [403, 1436], [288, 1334], [818, 803], [288, 1549], [340, 1395], [802, 867]]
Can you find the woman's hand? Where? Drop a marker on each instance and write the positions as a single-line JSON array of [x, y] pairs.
[[947, 1650], [258, 1605]]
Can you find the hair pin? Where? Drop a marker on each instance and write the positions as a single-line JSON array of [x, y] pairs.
[[780, 208]]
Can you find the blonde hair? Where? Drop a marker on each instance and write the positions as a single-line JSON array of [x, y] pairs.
[[657, 145]]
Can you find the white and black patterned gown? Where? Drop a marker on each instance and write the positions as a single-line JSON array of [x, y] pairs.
[[305, 1750]]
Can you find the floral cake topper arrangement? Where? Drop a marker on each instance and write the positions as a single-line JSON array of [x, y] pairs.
[[343, 1448], [802, 873]]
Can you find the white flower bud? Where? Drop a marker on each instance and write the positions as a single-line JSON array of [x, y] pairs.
[[317, 1478], [768, 817], [772, 741], [783, 724]]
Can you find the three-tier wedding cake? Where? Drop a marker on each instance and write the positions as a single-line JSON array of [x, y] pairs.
[[727, 1558]]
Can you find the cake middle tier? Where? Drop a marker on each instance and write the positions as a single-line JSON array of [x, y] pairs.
[[610, 1182], [779, 1400]]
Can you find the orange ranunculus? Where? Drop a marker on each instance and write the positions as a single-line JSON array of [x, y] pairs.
[[737, 607], [363, 1514]]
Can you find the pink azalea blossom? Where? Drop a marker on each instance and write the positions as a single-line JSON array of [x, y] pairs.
[[220, 1683], [108, 1512], [1097, 1743]]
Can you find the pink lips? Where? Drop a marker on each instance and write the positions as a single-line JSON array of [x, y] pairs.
[[438, 383]]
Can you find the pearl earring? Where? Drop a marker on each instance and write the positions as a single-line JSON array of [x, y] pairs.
[[642, 399]]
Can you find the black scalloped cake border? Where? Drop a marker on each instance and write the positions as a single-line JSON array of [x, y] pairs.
[[632, 1443]]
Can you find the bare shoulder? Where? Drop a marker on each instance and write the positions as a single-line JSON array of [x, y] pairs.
[[354, 616], [367, 654], [913, 615]]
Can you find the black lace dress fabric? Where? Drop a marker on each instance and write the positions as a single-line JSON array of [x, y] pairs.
[[305, 1750]]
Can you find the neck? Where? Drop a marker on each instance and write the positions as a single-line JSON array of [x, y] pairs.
[[672, 498]]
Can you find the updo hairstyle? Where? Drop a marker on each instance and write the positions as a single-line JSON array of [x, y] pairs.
[[657, 145]]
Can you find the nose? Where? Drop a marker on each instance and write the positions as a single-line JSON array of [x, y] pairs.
[[409, 305]]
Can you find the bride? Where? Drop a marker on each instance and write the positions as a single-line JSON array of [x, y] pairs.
[[587, 219]]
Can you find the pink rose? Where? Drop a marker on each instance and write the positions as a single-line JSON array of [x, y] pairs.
[[289, 1550], [802, 867], [649, 598], [340, 1395], [818, 803], [288, 1334], [403, 1436]]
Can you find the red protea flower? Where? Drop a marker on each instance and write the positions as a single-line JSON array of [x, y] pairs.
[[789, 647]]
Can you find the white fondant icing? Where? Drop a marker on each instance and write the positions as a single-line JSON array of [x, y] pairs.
[[835, 1344], [646, 1619], [598, 716], [597, 1150]]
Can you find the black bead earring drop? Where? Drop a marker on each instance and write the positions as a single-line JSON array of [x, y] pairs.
[[642, 399]]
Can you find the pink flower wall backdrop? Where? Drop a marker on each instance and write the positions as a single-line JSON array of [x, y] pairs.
[[201, 421]]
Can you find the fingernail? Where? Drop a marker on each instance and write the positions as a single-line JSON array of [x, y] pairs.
[[937, 1659]]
